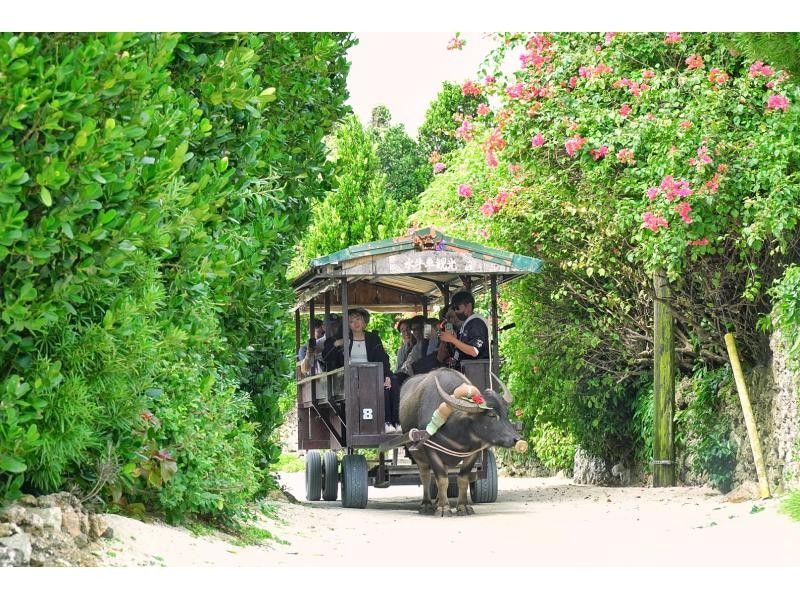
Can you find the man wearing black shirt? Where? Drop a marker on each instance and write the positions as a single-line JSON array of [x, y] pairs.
[[472, 342]]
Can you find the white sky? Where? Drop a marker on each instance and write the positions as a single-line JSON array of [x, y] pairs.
[[405, 71]]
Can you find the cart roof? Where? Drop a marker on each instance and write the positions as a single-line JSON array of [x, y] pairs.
[[402, 273]]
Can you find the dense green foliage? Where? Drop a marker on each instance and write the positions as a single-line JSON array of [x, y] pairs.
[[786, 312], [448, 109], [405, 167], [358, 210], [703, 429], [151, 189], [611, 156], [779, 49]]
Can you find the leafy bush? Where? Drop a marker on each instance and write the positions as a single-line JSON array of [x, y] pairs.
[[610, 157], [786, 311], [151, 189], [705, 430], [555, 448], [642, 426]]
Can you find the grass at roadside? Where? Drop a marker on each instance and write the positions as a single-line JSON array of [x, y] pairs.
[[289, 463], [791, 506]]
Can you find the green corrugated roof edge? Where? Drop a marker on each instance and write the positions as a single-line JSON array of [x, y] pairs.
[[514, 260]]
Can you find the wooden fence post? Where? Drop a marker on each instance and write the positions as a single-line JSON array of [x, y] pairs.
[[663, 384]]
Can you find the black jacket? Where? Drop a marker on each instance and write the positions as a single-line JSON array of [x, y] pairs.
[[334, 356]]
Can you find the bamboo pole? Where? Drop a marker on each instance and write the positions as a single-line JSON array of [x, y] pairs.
[[663, 384], [749, 420]]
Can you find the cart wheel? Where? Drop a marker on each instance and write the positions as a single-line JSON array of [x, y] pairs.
[[354, 482], [330, 476], [313, 475], [485, 490], [452, 489]]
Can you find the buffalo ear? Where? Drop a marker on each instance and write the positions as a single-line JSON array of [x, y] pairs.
[[506, 393]]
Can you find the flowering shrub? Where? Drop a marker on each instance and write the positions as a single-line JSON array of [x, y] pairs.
[[704, 186]]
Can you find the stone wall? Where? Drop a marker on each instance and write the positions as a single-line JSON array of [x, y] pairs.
[[49, 531]]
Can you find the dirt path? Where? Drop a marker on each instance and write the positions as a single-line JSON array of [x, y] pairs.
[[535, 521]]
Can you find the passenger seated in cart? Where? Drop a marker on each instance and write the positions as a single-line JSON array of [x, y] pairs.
[[472, 342], [366, 346], [407, 341], [418, 349], [308, 357]]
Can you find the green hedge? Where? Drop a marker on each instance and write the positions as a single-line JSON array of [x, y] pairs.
[[151, 188]]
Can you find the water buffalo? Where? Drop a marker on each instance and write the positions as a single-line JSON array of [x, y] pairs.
[[468, 431]]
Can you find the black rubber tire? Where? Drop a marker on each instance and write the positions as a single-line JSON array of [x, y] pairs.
[[313, 475], [485, 490], [330, 476], [354, 482]]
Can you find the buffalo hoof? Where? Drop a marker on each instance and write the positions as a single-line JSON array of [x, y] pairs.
[[464, 510], [444, 512], [427, 508]]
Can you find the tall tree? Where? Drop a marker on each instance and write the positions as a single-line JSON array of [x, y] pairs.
[[358, 209], [405, 166], [437, 131]]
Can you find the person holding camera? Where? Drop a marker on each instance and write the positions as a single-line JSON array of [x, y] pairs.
[[471, 342]]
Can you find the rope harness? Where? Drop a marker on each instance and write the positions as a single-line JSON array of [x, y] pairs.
[[438, 447]]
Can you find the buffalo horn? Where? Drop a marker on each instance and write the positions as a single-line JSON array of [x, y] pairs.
[[456, 403], [506, 393]]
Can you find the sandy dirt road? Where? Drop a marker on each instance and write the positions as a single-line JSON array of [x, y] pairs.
[[535, 522]]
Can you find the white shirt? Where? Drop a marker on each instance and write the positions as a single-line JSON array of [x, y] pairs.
[[358, 352]]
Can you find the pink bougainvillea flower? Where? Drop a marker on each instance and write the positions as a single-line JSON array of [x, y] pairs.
[[683, 208], [699, 242], [634, 87], [686, 124], [515, 91], [573, 144], [672, 38], [778, 102], [598, 48], [652, 193], [484, 233], [439, 167], [491, 159], [609, 36], [599, 153], [654, 222], [488, 209], [713, 184], [489, 80], [625, 156], [514, 168], [702, 157], [495, 140], [455, 43], [470, 89], [465, 130], [464, 190], [625, 110], [483, 109], [759, 68], [573, 81], [673, 188], [537, 141], [601, 69], [585, 71], [648, 74], [695, 61], [717, 77]]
